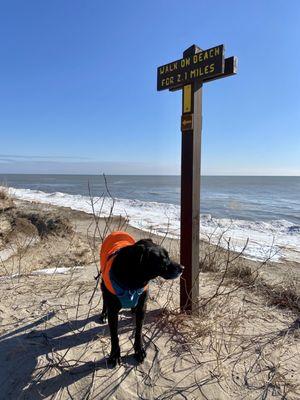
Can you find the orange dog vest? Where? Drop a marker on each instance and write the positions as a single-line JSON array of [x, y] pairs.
[[112, 243]]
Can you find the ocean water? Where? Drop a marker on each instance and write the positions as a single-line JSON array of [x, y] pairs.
[[263, 210]]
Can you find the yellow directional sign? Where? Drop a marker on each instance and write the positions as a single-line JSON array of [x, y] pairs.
[[187, 98]]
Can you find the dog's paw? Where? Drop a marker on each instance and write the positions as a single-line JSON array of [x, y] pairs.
[[140, 354], [102, 319], [114, 359]]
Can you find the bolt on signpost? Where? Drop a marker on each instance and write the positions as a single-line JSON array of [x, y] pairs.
[[189, 73]]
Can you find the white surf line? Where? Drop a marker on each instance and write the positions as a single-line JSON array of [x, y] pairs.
[[265, 237]]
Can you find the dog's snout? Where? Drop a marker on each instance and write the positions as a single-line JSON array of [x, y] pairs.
[[181, 268], [178, 266]]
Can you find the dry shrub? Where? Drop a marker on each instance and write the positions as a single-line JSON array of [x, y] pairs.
[[238, 274], [241, 273], [4, 194], [212, 258], [283, 295], [6, 201], [15, 230], [6, 224], [49, 224], [74, 253], [208, 265], [182, 327]]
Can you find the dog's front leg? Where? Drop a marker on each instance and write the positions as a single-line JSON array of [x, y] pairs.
[[139, 351], [115, 353]]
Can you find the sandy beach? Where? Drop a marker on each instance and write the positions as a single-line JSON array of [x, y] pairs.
[[244, 344]]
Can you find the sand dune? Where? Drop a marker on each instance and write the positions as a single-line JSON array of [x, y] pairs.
[[244, 344]]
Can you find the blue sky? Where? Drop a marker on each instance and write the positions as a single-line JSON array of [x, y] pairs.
[[78, 86]]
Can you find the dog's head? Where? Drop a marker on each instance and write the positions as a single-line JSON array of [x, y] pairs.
[[155, 260], [145, 261]]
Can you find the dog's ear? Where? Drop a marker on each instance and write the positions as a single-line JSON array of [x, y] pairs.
[[146, 242], [141, 249]]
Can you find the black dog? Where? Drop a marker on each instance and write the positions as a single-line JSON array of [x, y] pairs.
[[133, 266]]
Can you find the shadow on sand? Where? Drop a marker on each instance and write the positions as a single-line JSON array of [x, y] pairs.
[[20, 350]]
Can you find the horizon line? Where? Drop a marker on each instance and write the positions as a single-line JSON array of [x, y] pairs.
[[204, 175]]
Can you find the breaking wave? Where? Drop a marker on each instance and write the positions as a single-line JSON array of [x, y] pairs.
[[278, 239]]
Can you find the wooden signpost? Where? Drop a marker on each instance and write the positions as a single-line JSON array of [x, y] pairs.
[[188, 74]]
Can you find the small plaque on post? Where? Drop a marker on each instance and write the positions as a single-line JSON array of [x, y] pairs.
[[187, 122]]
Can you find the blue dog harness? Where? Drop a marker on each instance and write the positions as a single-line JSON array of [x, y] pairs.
[[128, 297]]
